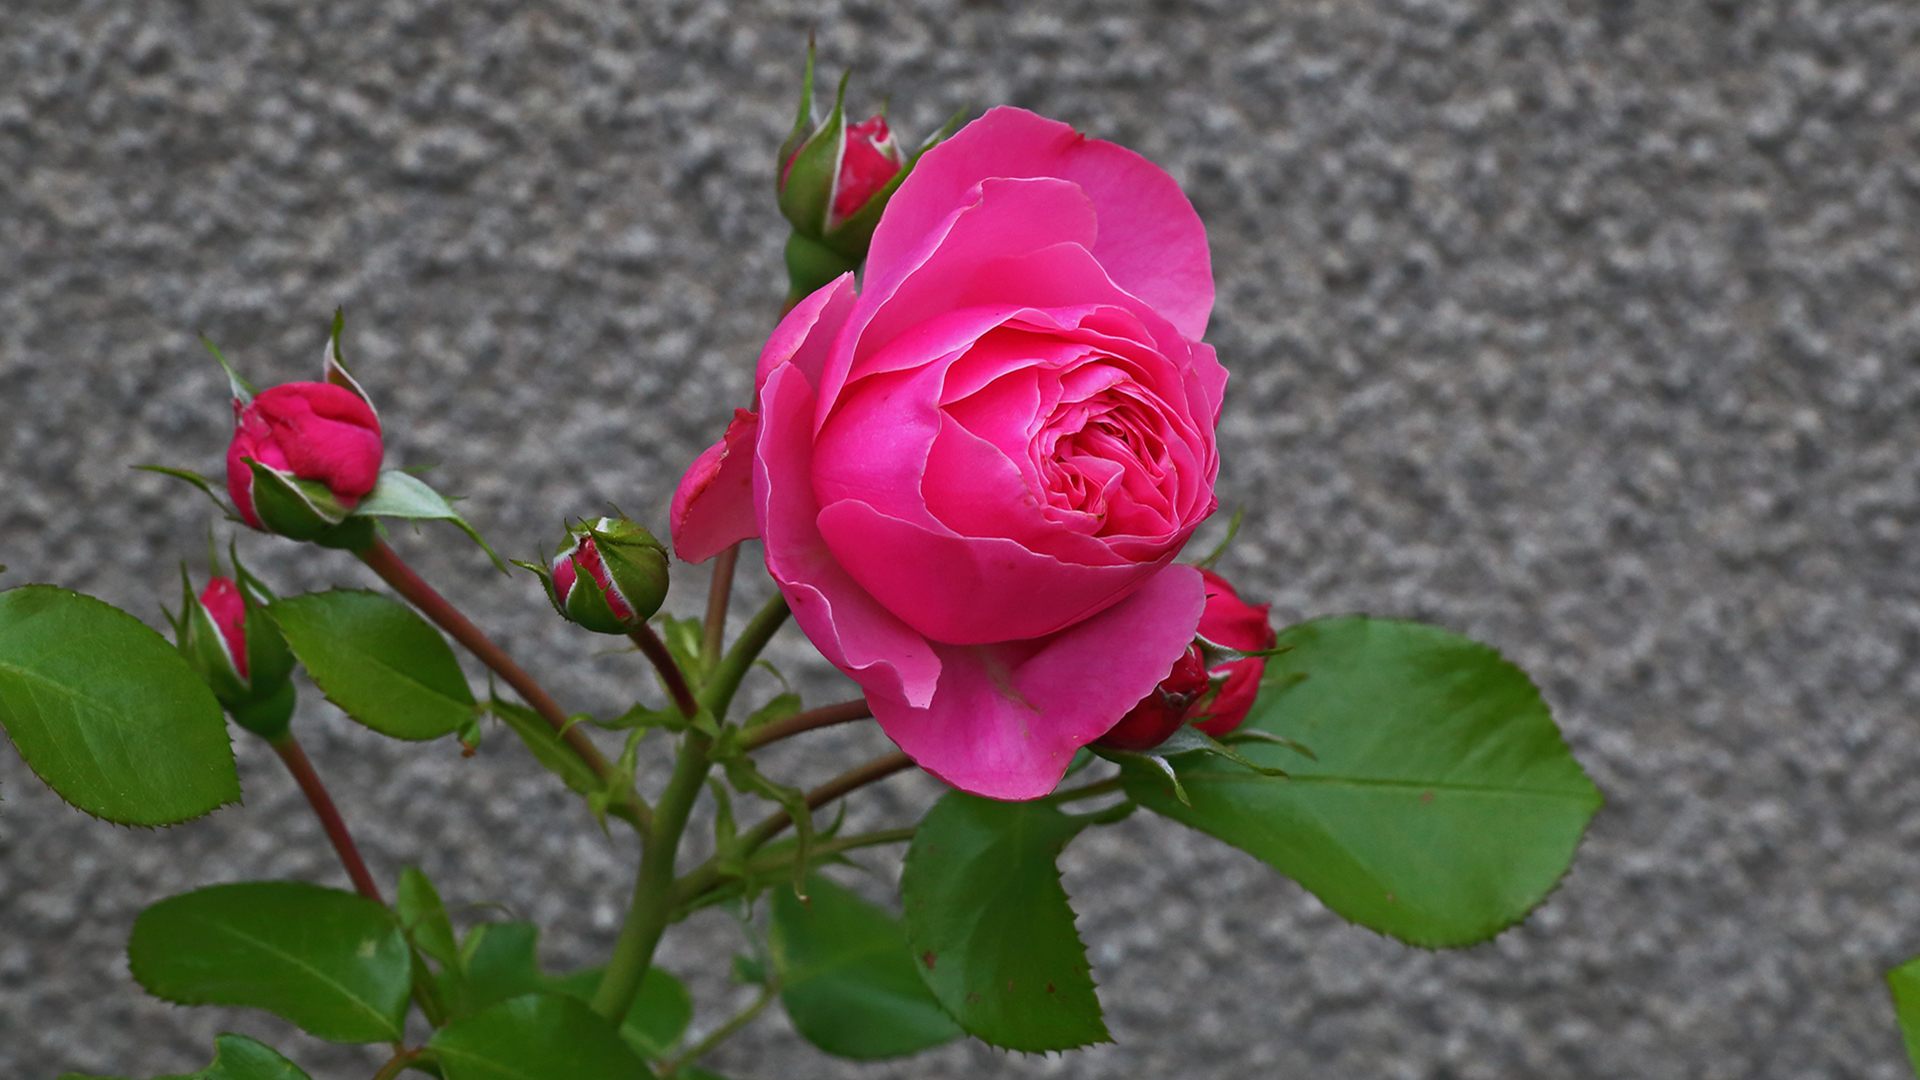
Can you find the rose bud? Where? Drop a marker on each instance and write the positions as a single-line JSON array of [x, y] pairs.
[[1165, 707], [627, 569], [1230, 621], [303, 455], [240, 653], [834, 179]]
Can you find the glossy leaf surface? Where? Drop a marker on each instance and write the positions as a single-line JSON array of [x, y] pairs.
[[535, 1037], [235, 1057], [1443, 806], [847, 976], [378, 660], [990, 927], [334, 963], [108, 713]]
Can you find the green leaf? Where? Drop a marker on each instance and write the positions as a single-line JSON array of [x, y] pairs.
[[548, 747], [235, 1057], [1443, 805], [424, 919], [334, 963], [378, 660], [502, 963], [402, 495], [109, 713], [1904, 981], [847, 976], [535, 1037], [990, 927]]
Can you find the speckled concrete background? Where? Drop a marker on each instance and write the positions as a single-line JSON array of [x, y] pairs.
[[1587, 327]]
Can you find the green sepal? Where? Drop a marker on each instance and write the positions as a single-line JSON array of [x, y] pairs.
[[400, 494], [243, 390], [334, 366], [586, 604], [1233, 529], [203, 483], [635, 561], [292, 507], [268, 717], [851, 238], [812, 265], [806, 184], [803, 124]]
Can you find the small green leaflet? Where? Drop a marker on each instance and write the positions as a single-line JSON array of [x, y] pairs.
[[402, 495], [1442, 805], [847, 976], [1904, 982], [990, 928], [500, 963], [235, 1057], [537, 1036], [378, 660], [334, 963], [108, 713]]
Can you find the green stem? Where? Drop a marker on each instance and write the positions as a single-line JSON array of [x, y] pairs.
[[718, 693], [824, 716], [709, 874], [653, 885], [725, 1031], [834, 847]]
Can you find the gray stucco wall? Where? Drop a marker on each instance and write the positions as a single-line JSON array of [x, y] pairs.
[[1588, 328]]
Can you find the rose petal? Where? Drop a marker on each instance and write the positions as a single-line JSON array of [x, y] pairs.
[[713, 506], [967, 590], [1150, 240], [847, 625], [1006, 720], [805, 335]]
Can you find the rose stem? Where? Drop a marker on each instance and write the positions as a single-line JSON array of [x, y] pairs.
[[670, 674], [383, 561], [660, 841], [725, 1031], [824, 716], [397, 1064], [719, 594], [853, 779], [316, 792]]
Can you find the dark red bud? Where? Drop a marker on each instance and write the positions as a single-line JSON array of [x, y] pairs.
[[1164, 709]]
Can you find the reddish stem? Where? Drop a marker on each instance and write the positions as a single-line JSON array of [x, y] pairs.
[[670, 673], [316, 792], [383, 561], [719, 594], [824, 716]]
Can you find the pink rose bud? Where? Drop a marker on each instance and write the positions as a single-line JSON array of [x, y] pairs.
[[1230, 621], [229, 640], [627, 571], [302, 457], [1164, 709], [870, 159], [834, 179]]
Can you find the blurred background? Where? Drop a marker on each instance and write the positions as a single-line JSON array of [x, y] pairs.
[[1589, 328]]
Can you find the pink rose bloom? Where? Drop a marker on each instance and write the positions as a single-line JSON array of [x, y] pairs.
[[309, 430], [972, 475]]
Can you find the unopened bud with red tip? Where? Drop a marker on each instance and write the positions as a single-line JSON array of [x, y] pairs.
[[834, 179], [611, 577], [1164, 709], [303, 454], [227, 637], [1230, 621]]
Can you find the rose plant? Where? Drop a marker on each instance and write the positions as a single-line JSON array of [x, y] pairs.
[[977, 450]]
